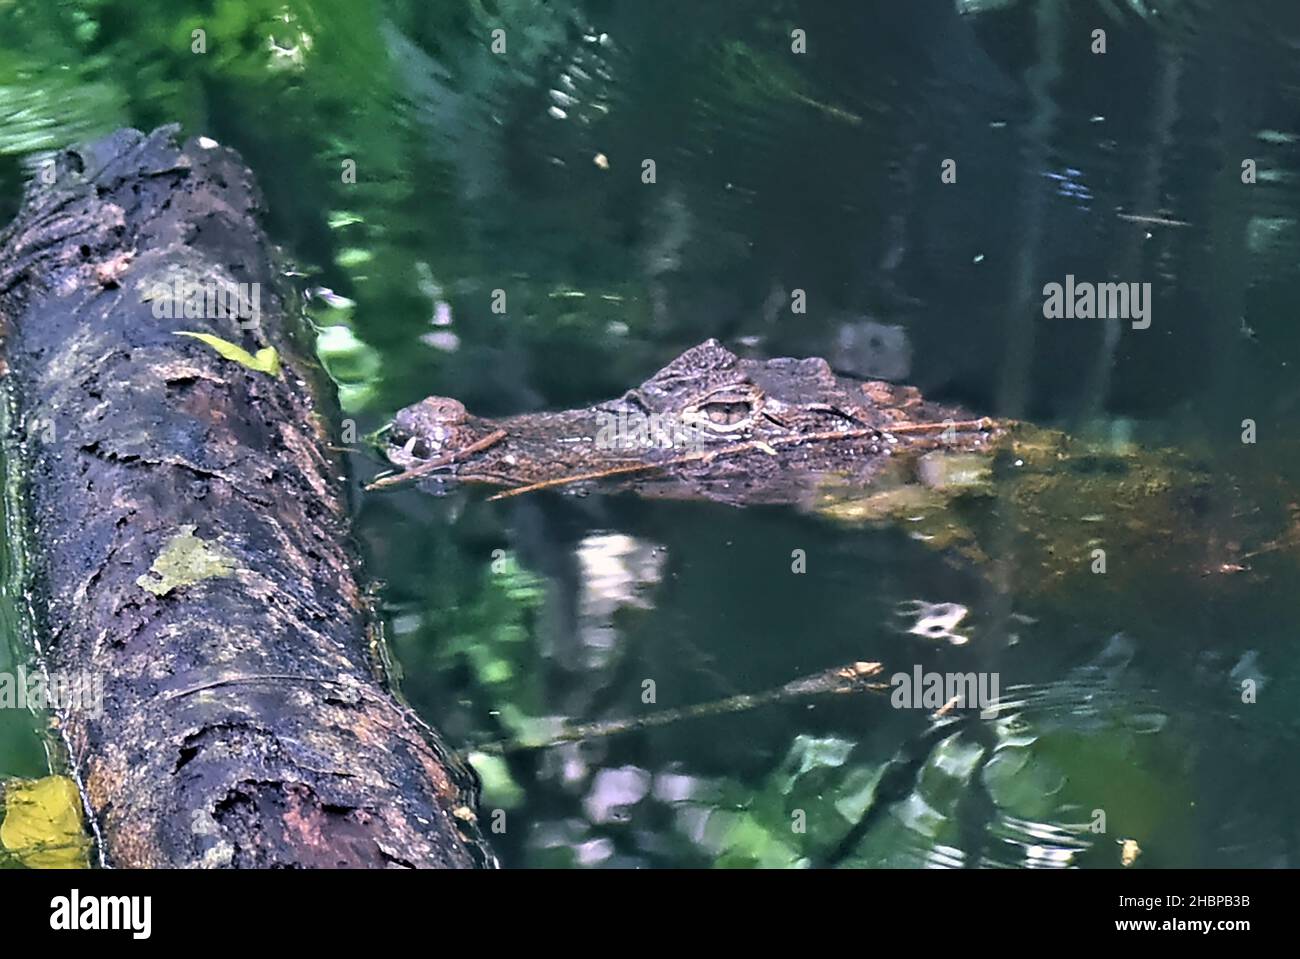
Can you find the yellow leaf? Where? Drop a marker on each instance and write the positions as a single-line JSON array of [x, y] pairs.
[[266, 360], [42, 824]]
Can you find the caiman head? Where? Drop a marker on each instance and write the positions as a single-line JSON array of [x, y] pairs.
[[778, 422], [428, 429]]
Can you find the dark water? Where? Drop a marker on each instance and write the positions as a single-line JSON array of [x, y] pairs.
[[774, 172]]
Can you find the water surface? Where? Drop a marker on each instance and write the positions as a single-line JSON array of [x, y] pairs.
[[523, 172]]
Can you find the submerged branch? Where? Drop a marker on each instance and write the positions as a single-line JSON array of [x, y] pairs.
[[415, 472], [839, 679]]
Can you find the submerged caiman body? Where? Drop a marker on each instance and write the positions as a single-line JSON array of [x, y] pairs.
[[1035, 506]]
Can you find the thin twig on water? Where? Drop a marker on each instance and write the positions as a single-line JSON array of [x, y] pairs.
[[707, 456], [415, 472], [837, 680]]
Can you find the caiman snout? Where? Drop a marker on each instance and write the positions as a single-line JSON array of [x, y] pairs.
[[426, 429]]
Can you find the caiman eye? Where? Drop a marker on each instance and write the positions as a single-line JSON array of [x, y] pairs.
[[417, 447], [725, 414]]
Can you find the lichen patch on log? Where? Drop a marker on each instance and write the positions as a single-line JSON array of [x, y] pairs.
[[185, 560]]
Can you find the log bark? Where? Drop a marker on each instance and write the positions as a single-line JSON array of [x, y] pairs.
[[191, 544]]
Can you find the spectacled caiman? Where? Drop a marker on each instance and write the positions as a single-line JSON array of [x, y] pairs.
[[708, 425], [713, 426]]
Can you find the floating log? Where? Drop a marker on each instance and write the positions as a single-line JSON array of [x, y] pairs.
[[188, 535]]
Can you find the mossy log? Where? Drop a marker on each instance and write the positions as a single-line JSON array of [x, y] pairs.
[[189, 538]]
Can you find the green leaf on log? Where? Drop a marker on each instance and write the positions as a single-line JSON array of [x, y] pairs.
[[265, 360]]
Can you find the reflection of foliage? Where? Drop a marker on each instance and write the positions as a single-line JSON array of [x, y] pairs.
[[756, 80], [816, 798], [1023, 791], [1062, 775], [1045, 790], [42, 109], [490, 633], [801, 811], [353, 365], [924, 827], [298, 86], [461, 165]]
